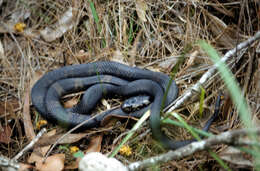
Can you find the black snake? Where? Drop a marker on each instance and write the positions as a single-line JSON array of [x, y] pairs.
[[104, 79]]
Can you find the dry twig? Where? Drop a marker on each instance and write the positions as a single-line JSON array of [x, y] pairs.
[[229, 137], [30, 145]]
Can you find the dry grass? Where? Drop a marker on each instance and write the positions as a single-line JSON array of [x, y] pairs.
[[155, 41]]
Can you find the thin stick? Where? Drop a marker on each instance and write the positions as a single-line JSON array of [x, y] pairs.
[[31, 144], [229, 137]]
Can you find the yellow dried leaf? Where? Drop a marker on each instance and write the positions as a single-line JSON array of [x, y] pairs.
[[125, 150], [74, 149], [19, 27], [41, 123]]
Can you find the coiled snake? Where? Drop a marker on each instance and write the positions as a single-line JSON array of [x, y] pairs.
[[100, 79]]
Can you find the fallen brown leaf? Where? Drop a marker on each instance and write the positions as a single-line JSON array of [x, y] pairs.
[[39, 152], [95, 144], [53, 163], [5, 134], [65, 23], [72, 138]]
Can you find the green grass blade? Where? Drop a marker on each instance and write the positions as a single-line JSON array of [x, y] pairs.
[[189, 128], [236, 94], [227, 76], [202, 97], [95, 16], [131, 32], [96, 19]]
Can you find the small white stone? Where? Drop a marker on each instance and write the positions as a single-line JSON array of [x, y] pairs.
[[96, 161]]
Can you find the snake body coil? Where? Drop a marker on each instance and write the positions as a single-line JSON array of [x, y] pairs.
[[99, 79]]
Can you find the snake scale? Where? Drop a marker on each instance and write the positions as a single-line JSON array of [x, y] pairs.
[[100, 79]]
